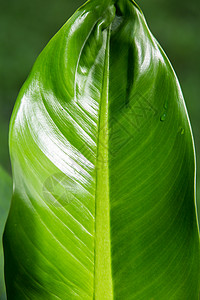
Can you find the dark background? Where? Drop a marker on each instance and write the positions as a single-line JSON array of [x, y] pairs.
[[26, 27]]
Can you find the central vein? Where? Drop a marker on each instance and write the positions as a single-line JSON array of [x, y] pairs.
[[103, 289]]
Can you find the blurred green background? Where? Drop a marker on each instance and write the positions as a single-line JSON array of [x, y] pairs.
[[26, 27]]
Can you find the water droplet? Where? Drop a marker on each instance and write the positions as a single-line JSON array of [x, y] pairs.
[[182, 131], [163, 117], [166, 105]]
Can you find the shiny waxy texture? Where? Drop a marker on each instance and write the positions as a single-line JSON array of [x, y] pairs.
[[103, 165], [5, 198]]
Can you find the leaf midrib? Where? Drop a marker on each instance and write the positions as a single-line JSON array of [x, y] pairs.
[[103, 288]]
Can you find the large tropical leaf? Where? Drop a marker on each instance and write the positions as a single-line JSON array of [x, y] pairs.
[[103, 164], [5, 198]]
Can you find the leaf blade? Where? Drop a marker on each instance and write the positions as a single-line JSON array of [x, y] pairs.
[[66, 167]]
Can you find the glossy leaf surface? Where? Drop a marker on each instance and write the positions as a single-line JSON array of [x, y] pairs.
[[103, 163], [5, 198]]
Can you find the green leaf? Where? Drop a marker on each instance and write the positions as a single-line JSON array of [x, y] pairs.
[[103, 164], [5, 197]]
